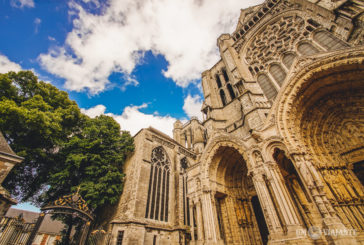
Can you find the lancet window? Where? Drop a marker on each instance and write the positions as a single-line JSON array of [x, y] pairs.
[[158, 192], [277, 73], [231, 91], [328, 41], [186, 204], [307, 49], [288, 60], [226, 77], [223, 97], [267, 86], [218, 81]]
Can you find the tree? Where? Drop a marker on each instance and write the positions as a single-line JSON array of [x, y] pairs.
[[36, 118], [94, 158], [62, 148]]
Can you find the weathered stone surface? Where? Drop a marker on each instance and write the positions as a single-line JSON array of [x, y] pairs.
[[281, 146]]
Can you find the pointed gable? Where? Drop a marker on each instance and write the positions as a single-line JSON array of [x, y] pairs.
[[4, 146]]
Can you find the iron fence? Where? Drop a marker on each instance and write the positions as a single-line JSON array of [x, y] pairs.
[[15, 231]]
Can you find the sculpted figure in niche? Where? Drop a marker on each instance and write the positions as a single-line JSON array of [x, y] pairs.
[[339, 141], [327, 190], [352, 133], [198, 183], [293, 184], [345, 187], [248, 214], [306, 174], [342, 195], [243, 216], [258, 158], [327, 177]]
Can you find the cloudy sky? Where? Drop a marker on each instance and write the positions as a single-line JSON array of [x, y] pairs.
[[139, 61]]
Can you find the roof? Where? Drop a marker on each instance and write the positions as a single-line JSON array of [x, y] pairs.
[[48, 225], [156, 131], [28, 216], [4, 146], [6, 195], [6, 150]]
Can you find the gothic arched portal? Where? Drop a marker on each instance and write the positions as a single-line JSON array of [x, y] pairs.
[[239, 213], [322, 112]]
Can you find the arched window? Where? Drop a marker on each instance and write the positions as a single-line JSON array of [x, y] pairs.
[[218, 81], [288, 60], [223, 97], [328, 41], [186, 201], [267, 86], [307, 49], [277, 73], [158, 191], [226, 78], [231, 91]]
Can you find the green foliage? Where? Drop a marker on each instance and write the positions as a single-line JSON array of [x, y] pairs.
[[62, 148], [94, 159]]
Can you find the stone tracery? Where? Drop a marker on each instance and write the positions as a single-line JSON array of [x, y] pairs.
[[274, 40], [158, 193]]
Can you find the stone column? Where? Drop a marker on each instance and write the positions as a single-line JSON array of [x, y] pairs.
[[282, 196], [215, 214], [210, 218], [265, 201], [200, 223], [192, 223], [311, 178]]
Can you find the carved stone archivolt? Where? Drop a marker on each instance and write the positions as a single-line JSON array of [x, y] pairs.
[[320, 114], [214, 144], [293, 97]]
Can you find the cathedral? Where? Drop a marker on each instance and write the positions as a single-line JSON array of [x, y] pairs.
[[279, 155]]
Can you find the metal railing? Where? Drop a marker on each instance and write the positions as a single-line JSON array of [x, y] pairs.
[[14, 231]]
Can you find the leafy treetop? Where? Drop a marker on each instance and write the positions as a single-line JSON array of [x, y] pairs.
[[62, 148]]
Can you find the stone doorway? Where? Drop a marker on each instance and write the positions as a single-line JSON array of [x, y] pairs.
[[358, 169], [263, 229], [239, 215]]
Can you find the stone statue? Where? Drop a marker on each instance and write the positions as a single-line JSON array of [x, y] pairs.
[[258, 158], [345, 186], [329, 178], [339, 188], [352, 133], [299, 192], [306, 174]]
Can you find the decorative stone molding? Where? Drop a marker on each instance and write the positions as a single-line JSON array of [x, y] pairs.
[[300, 79]]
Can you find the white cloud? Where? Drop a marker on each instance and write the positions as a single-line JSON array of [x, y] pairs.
[[192, 106], [132, 119], [184, 32], [6, 65], [94, 111], [22, 3], [37, 23]]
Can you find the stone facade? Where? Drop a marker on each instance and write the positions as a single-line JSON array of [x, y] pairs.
[[8, 159], [281, 148]]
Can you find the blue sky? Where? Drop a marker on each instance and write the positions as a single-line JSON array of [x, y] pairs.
[[138, 61]]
